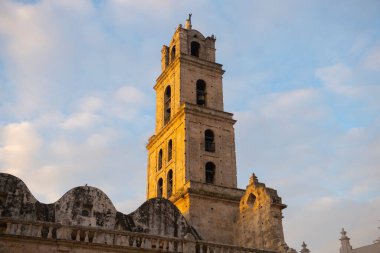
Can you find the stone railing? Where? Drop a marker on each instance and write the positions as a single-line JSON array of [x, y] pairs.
[[99, 236]]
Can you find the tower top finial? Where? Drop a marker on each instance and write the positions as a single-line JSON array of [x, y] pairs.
[[253, 179], [304, 248], [344, 235], [188, 22]]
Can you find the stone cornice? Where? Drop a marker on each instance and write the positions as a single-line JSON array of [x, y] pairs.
[[209, 191], [191, 60], [188, 108]]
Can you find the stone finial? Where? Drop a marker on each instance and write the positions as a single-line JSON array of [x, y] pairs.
[[345, 242], [344, 235], [188, 22], [253, 179], [304, 248]]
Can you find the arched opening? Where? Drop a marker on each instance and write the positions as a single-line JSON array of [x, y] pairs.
[[167, 104], [86, 210], [251, 200], [169, 180], [210, 172], [201, 92], [195, 48], [85, 213], [170, 150], [209, 141], [172, 54], [159, 162], [160, 187]]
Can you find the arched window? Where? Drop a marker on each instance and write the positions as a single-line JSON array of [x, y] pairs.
[[209, 141], [167, 105], [251, 200], [160, 186], [85, 213], [201, 92], [172, 54], [195, 48], [159, 162], [210, 172], [170, 150], [169, 183]]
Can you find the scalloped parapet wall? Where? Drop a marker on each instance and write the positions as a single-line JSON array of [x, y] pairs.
[[90, 207]]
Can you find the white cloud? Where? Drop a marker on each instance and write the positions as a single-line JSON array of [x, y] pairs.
[[131, 95], [338, 79], [81, 121], [84, 6], [289, 104], [91, 104], [138, 9], [20, 144], [29, 44], [358, 81], [372, 60]]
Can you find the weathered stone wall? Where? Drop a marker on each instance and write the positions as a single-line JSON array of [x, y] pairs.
[[16, 199], [17, 236], [174, 131], [259, 223], [88, 206], [211, 209], [193, 69], [198, 120]]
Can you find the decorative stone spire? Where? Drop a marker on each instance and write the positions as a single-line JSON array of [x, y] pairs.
[[304, 248], [188, 22], [345, 242], [253, 179]]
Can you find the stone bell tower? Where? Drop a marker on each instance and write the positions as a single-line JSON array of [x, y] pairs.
[[191, 156]]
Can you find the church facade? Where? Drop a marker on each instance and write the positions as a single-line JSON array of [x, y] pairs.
[[193, 203]]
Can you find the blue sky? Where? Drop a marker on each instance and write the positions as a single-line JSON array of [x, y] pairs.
[[302, 79]]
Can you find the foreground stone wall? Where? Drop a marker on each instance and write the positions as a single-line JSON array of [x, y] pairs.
[[90, 207], [18, 236], [85, 220]]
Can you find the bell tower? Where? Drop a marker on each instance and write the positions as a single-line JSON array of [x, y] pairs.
[[191, 156]]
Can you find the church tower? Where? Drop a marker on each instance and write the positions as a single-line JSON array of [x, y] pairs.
[[191, 156]]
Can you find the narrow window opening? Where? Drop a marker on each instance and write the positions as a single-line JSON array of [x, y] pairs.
[[170, 183], [195, 48], [201, 92], [172, 55], [167, 105], [209, 141], [170, 150], [251, 200], [159, 163], [210, 173], [3, 199], [160, 186]]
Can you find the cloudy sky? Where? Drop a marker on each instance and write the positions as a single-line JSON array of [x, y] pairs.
[[302, 79]]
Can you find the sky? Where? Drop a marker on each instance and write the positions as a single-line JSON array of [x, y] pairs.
[[302, 80]]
